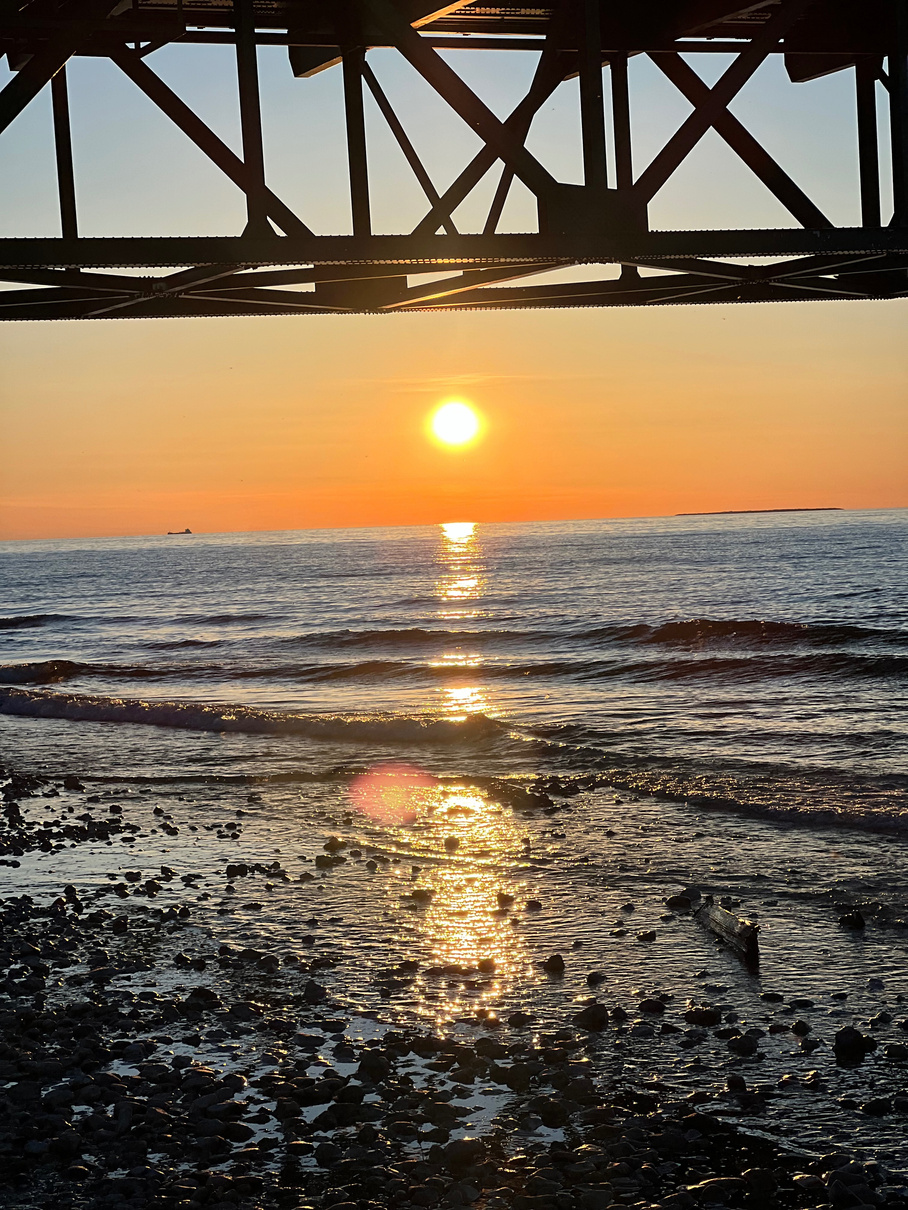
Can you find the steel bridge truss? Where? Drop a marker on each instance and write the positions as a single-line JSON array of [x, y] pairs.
[[603, 222]]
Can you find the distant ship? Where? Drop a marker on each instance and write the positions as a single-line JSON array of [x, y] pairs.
[[172, 532]]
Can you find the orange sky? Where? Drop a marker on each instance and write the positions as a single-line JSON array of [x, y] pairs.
[[287, 423]]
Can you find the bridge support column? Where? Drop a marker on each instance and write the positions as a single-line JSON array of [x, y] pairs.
[[63, 146], [356, 140], [592, 114], [898, 107], [251, 120], [621, 121], [868, 143]]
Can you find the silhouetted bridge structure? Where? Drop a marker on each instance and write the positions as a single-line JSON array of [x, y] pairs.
[[602, 222]]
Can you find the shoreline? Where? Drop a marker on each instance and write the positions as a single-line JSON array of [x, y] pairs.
[[151, 1060]]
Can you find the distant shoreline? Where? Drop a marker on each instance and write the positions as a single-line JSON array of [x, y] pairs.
[[740, 512]]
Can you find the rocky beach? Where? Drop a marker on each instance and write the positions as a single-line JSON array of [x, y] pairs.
[[171, 1037]]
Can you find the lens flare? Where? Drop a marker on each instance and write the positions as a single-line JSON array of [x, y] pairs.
[[392, 794], [454, 423]]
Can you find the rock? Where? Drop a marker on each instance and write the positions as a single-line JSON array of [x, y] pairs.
[[533, 905], [852, 920], [656, 1007], [519, 1020], [647, 935], [314, 993], [461, 1152], [717, 1189], [704, 1015], [808, 1182], [517, 1077], [554, 965], [327, 1154], [851, 1045], [744, 1046], [594, 978], [678, 903], [801, 1028], [763, 1181], [595, 1017]]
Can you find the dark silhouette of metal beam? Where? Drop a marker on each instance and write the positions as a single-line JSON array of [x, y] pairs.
[[357, 156], [592, 112], [261, 272], [743, 143], [205, 139], [866, 74], [898, 113], [63, 148], [717, 101], [257, 200], [621, 120], [462, 99], [403, 141]]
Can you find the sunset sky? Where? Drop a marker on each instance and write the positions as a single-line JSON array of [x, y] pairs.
[[285, 423]]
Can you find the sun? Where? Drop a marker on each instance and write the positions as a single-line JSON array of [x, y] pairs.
[[454, 423]]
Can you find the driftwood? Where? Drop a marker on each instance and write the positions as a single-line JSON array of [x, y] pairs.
[[739, 935]]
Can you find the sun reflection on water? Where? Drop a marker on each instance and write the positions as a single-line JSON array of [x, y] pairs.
[[462, 903], [461, 579], [452, 857]]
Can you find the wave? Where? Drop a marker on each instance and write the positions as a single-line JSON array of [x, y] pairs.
[[752, 667], [840, 665], [411, 636], [177, 644], [29, 620], [223, 619], [52, 672], [200, 716], [757, 631], [686, 633]]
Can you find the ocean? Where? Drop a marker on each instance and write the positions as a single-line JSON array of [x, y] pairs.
[[471, 746], [753, 660]]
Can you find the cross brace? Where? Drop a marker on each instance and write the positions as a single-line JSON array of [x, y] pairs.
[[279, 264]]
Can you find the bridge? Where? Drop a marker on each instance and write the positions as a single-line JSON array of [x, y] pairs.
[[590, 244]]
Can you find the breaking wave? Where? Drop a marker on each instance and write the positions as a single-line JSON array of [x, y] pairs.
[[200, 716], [29, 620]]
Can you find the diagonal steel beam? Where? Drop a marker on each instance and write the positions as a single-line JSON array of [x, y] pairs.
[[448, 84], [186, 279], [403, 141], [741, 141], [76, 279], [274, 299], [204, 138], [546, 79], [558, 26], [781, 271], [38, 71], [470, 279], [716, 102]]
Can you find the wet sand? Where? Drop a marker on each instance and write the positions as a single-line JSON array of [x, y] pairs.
[[254, 995]]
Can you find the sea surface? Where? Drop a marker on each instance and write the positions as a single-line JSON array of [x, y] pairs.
[[761, 659], [581, 717]]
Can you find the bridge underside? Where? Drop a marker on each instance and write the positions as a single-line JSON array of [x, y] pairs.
[[592, 244]]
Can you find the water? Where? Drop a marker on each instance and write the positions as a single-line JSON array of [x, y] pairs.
[[760, 659], [591, 714]]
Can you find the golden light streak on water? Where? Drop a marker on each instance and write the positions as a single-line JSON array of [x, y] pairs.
[[462, 904], [462, 701], [461, 578]]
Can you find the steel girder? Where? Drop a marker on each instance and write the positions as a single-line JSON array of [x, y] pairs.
[[603, 222]]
